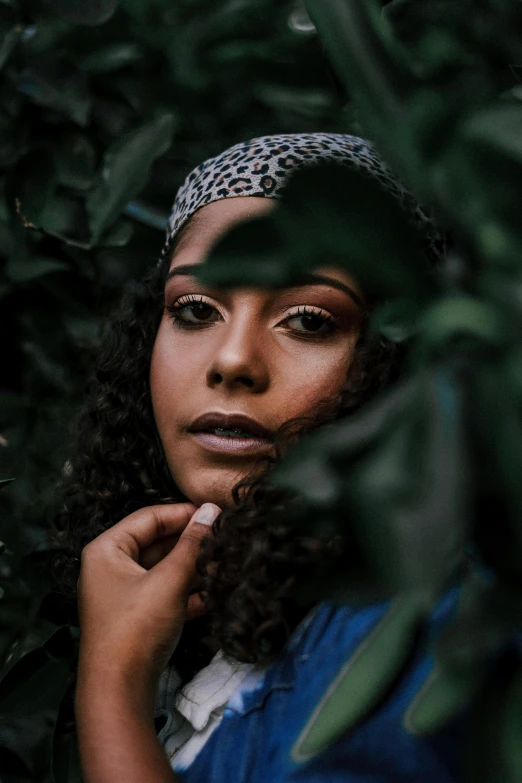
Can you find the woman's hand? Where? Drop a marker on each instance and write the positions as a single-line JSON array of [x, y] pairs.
[[136, 590]]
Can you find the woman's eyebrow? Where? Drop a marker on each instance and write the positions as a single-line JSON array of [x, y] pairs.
[[311, 278], [306, 279], [182, 269]]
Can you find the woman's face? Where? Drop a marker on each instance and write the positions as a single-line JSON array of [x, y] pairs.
[[229, 366]]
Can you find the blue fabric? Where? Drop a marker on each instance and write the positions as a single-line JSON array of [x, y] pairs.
[[260, 728]]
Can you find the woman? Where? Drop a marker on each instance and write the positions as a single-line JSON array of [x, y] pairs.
[[195, 391]]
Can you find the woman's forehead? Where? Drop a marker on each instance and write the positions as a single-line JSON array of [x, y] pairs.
[[212, 221]]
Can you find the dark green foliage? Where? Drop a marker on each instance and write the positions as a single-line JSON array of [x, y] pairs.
[[81, 12], [32, 692], [125, 171], [427, 478], [431, 472], [104, 110], [341, 226]]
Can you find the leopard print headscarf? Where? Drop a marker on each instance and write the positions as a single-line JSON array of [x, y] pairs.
[[263, 166]]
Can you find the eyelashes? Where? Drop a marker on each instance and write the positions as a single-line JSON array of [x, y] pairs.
[[311, 319], [194, 306], [194, 312]]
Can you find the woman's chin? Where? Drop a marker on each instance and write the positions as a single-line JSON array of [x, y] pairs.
[[221, 496], [204, 476], [210, 484]]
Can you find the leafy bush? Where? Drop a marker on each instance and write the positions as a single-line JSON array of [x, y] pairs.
[[424, 483], [104, 110]]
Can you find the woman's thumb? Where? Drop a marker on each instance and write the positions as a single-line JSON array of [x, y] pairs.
[[181, 562], [206, 514]]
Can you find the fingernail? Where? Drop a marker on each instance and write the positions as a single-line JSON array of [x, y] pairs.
[[207, 514]]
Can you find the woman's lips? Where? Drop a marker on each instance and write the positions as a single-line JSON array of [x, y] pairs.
[[228, 445]]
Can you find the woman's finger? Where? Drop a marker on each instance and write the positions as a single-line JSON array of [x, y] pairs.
[[179, 567], [144, 527], [155, 552], [196, 607]]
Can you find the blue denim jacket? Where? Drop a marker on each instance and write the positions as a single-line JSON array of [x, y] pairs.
[[271, 733]]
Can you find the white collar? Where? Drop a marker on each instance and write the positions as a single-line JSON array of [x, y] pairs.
[[210, 689]]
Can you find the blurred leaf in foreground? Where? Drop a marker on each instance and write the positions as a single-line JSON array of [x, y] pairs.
[[125, 171], [89, 12]]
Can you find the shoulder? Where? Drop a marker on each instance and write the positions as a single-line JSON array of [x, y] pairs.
[[351, 674]]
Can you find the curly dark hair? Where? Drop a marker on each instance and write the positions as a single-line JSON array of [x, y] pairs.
[[119, 467]]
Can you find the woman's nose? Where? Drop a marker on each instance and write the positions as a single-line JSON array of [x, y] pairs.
[[240, 360]]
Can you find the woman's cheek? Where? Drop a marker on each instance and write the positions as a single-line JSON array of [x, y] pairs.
[[169, 376], [319, 375], [172, 362]]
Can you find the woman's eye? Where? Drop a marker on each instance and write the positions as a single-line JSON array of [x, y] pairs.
[[197, 312], [192, 312], [312, 323]]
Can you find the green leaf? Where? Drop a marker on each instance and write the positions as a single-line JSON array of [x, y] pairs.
[[496, 421], [512, 747], [492, 139], [356, 45], [339, 215], [57, 85], [125, 172], [478, 182], [494, 747], [10, 235], [395, 320], [330, 216], [111, 58], [9, 43], [497, 127], [461, 318], [484, 623], [373, 68], [31, 184], [268, 264], [305, 102], [66, 759], [84, 331], [393, 482], [363, 680], [36, 637], [88, 12], [30, 697], [411, 491], [118, 235], [75, 157], [33, 268]]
